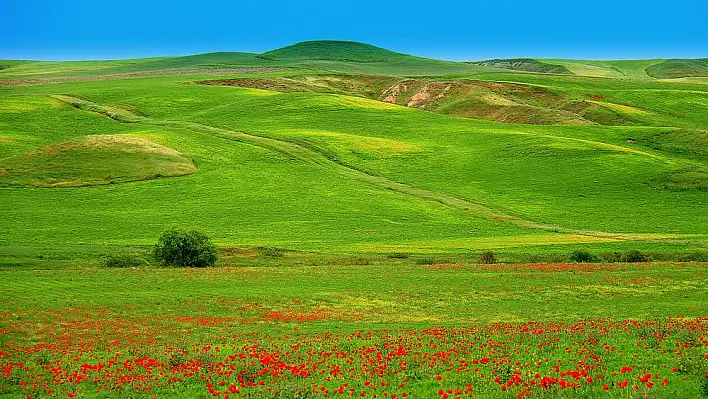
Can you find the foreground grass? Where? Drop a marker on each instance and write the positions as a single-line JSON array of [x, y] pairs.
[[395, 326]]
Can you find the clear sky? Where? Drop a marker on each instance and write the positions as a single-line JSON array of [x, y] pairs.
[[455, 30]]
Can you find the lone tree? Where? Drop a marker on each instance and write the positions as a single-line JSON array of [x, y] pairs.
[[185, 249]]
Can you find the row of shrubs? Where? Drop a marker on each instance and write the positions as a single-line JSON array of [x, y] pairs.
[[579, 256], [585, 256], [194, 249]]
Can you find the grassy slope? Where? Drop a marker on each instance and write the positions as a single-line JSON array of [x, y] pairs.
[[49, 69], [337, 51], [541, 102], [582, 178], [241, 194], [353, 57], [401, 147], [679, 68], [635, 69]]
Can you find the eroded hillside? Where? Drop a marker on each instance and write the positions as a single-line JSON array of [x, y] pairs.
[[479, 99]]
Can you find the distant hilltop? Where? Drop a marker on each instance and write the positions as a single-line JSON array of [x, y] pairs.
[[334, 50]]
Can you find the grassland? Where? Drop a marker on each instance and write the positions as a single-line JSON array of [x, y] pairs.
[[309, 331], [350, 190]]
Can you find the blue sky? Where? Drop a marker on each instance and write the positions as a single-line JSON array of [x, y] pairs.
[[455, 30]]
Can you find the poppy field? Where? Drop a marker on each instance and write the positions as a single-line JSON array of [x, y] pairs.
[[389, 330]]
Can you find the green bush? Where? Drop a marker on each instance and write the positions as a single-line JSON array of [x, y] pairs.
[[611, 257], [271, 252], [398, 255], [692, 257], [582, 256], [124, 260], [487, 258], [634, 255], [185, 249]]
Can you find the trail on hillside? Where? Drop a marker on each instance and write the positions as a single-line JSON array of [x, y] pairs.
[[312, 155]]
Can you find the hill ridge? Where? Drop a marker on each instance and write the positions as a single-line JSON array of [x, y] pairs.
[[335, 50]]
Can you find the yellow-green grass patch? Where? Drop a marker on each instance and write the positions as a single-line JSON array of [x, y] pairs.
[[359, 102], [94, 160], [16, 105], [375, 145], [620, 107]]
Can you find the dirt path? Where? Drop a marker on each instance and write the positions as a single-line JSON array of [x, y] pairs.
[[314, 156]]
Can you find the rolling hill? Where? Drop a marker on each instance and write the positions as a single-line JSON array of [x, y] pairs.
[[341, 147], [678, 68], [331, 50]]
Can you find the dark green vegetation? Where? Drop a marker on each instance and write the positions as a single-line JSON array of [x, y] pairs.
[[185, 249]]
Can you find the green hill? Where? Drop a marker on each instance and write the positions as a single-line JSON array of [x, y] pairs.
[[331, 50], [679, 68], [51, 69]]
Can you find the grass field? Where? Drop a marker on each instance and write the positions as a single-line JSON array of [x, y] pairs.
[[385, 329], [350, 190]]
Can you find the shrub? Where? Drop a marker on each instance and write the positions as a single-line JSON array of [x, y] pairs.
[[693, 257], [582, 256], [634, 256], [487, 258], [185, 249], [398, 255], [270, 252], [124, 260], [611, 257]]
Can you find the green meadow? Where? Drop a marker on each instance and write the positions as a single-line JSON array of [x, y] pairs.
[[629, 165], [352, 188]]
